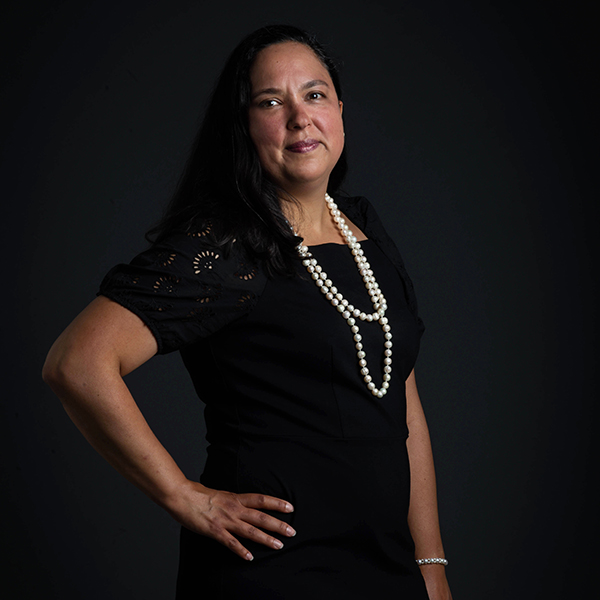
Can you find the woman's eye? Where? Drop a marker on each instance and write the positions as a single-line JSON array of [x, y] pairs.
[[315, 95], [268, 103]]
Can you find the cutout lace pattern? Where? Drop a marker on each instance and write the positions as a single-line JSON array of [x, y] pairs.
[[204, 261]]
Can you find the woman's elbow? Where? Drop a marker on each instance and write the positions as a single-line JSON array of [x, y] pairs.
[[57, 371], [67, 369]]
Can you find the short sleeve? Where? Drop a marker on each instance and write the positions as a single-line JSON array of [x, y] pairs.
[[185, 289]]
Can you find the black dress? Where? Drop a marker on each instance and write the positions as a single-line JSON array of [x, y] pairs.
[[288, 413]]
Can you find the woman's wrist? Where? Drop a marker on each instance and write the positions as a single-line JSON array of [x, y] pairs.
[[432, 561], [436, 583], [180, 494]]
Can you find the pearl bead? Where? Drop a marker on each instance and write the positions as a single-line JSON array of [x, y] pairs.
[[347, 310]]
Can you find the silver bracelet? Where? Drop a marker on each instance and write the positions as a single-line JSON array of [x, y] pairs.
[[431, 561]]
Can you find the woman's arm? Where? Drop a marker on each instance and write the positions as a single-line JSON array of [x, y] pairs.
[[85, 368], [423, 512]]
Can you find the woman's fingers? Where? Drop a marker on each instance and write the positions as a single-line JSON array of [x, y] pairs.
[[256, 535], [265, 521], [233, 544], [263, 502], [259, 502], [226, 515]]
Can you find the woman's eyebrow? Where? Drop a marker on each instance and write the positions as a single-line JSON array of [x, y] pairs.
[[314, 83], [304, 86]]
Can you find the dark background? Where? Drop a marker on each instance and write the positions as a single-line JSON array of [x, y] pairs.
[[469, 127]]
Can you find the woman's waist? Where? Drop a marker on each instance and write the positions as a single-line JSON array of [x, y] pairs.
[[244, 422], [272, 464]]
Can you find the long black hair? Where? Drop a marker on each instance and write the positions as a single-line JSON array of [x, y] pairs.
[[223, 180]]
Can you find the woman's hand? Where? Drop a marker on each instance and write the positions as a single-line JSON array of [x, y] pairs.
[[223, 515]]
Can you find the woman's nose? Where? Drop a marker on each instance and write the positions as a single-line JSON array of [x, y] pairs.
[[299, 117]]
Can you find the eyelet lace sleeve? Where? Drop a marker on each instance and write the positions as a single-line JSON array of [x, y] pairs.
[[185, 289]]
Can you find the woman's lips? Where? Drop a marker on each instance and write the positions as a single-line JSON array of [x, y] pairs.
[[303, 146]]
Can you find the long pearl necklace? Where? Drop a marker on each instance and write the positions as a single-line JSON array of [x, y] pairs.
[[347, 310]]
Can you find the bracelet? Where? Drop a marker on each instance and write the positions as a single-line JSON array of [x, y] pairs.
[[431, 561]]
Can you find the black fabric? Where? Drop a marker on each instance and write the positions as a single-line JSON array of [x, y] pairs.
[[288, 413]]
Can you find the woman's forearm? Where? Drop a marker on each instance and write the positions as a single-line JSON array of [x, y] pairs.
[[84, 368], [103, 409], [423, 518], [423, 512]]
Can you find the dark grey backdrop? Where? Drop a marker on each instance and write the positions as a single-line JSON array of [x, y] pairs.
[[467, 127]]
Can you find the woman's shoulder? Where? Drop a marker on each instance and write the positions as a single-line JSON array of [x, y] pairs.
[[360, 211], [201, 249]]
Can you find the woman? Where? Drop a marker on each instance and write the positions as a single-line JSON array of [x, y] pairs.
[[307, 484]]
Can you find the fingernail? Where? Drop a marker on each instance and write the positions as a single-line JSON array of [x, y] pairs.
[[278, 544], [291, 532], [249, 556], [289, 507]]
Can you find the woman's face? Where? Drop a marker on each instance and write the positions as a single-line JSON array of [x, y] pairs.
[[295, 118]]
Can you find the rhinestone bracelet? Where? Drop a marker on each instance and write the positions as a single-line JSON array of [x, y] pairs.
[[431, 561]]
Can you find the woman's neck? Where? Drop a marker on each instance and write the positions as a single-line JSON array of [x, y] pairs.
[[310, 217]]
